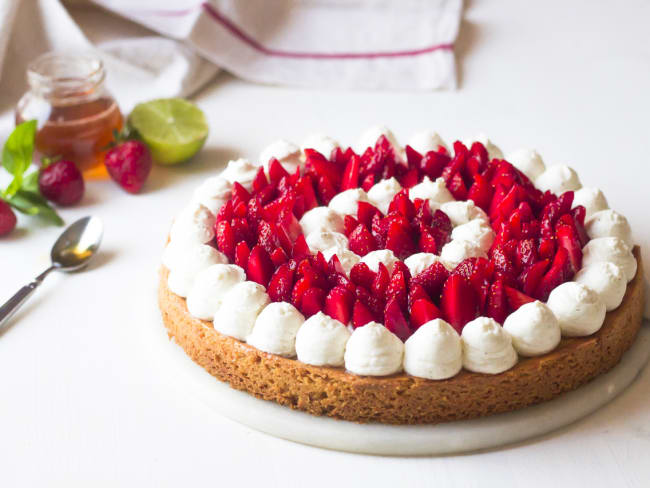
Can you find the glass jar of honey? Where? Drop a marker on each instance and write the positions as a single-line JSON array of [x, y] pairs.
[[76, 115]]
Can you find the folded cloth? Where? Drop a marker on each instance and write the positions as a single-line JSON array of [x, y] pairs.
[[368, 44]]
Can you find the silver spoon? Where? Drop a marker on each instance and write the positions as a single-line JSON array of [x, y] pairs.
[[71, 252]]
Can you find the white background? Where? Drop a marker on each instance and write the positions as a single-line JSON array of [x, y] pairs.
[[82, 402]]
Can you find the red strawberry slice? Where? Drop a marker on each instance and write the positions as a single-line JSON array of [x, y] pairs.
[[239, 194], [526, 253], [260, 267], [441, 221], [305, 188], [417, 292], [351, 173], [325, 189], [399, 240], [402, 203], [316, 164], [312, 301], [481, 192], [361, 241], [497, 306], [366, 212], [501, 260], [568, 239], [478, 150], [397, 289], [299, 288], [276, 171], [300, 248], [382, 280], [579, 213], [413, 157], [432, 279], [349, 224], [458, 302], [427, 242], [423, 311], [225, 239], [339, 303], [242, 252], [368, 182], [281, 284], [395, 321], [267, 236], [225, 212], [361, 315], [557, 274], [410, 178], [260, 180], [278, 256], [433, 163], [529, 280], [456, 187], [546, 249], [516, 298], [374, 303], [361, 274]]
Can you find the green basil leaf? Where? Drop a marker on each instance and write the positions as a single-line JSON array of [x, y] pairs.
[[31, 203], [30, 182], [17, 154]]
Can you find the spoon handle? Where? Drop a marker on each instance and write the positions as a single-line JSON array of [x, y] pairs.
[[13, 304]]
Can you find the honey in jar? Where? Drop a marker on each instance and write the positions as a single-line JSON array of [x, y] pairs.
[[76, 115]]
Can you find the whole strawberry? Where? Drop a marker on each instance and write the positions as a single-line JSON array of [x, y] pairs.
[[129, 163], [7, 218], [61, 182]]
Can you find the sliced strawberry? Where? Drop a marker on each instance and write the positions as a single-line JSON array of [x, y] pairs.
[[402, 203], [397, 288], [267, 236], [516, 298], [478, 150], [300, 248], [284, 202], [529, 280], [395, 321], [417, 292], [427, 242], [557, 274], [326, 191], [361, 241], [281, 284], [299, 289], [242, 252], [501, 259], [399, 240], [254, 211], [312, 301], [305, 188], [225, 212], [432, 279], [433, 163], [410, 178], [526, 253], [579, 213], [278, 256], [413, 157], [382, 280], [351, 173], [366, 212], [361, 274], [457, 187], [339, 303], [497, 306], [568, 239], [368, 182], [225, 239], [349, 224], [260, 267], [361, 314], [481, 192], [315, 163], [440, 220], [239, 194], [546, 248], [276, 171], [373, 302], [423, 311], [260, 180], [458, 302]]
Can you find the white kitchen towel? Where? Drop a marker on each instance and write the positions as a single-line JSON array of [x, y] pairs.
[[368, 44]]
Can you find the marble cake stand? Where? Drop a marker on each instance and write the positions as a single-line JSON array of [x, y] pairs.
[[380, 439]]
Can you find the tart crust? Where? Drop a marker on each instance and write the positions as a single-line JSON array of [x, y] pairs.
[[404, 399]]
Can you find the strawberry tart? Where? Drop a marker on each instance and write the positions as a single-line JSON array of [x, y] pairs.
[[402, 285]]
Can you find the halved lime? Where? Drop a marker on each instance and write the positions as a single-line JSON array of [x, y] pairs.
[[173, 128]]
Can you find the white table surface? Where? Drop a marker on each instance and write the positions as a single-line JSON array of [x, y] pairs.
[[81, 401]]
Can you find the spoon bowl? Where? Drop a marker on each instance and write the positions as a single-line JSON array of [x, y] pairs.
[[78, 244]]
